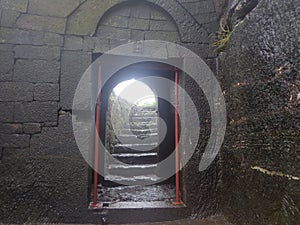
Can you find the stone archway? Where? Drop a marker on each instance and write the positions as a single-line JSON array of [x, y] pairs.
[[84, 20]]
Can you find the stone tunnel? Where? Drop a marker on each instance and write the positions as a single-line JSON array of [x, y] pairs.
[[251, 47]]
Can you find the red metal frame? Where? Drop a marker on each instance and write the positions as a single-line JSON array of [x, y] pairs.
[[97, 137], [177, 166]]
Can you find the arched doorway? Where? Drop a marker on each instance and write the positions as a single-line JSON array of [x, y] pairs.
[[141, 140]]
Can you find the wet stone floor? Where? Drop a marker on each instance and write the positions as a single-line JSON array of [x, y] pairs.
[[216, 220], [163, 192]]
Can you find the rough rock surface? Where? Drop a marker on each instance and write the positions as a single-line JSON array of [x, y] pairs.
[[259, 71]]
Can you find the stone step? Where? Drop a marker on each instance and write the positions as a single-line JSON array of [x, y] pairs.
[[144, 113], [137, 158], [137, 119], [131, 170], [141, 125], [141, 212], [139, 131], [141, 139], [115, 180], [135, 148]]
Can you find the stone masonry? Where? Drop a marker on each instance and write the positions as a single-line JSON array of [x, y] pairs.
[[45, 46]]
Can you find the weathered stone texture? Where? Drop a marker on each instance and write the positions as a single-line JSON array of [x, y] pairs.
[[137, 35], [101, 45], [73, 43], [6, 62], [10, 128], [113, 33], [74, 65], [16, 36], [41, 23], [162, 35], [6, 112], [36, 71], [36, 112], [46, 92], [18, 5], [85, 19], [9, 17], [137, 23], [37, 52], [14, 140], [115, 21], [31, 128], [41, 67], [140, 10], [259, 71], [16, 91], [53, 140], [57, 8], [162, 25], [53, 39]]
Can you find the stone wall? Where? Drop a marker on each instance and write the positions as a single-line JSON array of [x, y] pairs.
[[45, 46], [259, 71]]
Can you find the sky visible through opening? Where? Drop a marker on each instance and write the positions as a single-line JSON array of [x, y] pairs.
[[135, 91]]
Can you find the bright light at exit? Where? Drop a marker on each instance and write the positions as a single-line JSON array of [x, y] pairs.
[[135, 92]]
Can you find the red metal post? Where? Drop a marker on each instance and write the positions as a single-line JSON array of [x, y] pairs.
[[97, 138], [177, 168]]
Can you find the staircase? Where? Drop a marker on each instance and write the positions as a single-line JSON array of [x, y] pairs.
[[137, 151]]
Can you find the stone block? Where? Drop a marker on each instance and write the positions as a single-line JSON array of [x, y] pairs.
[[53, 39], [6, 62], [9, 18], [17, 36], [123, 11], [85, 19], [88, 43], [101, 45], [56, 8], [16, 91], [140, 10], [74, 65], [157, 15], [106, 32], [18, 5], [36, 112], [170, 36], [116, 43], [73, 43], [42, 23], [137, 35], [162, 25], [10, 128], [31, 128], [199, 7], [14, 140], [56, 141], [6, 77], [137, 23], [46, 92], [6, 47], [6, 111], [204, 18], [37, 52], [115, 21], [37, 71]]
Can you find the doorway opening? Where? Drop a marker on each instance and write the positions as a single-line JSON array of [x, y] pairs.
[[133, 129]]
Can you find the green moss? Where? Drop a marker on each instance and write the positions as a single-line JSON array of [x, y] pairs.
[[222, 36]]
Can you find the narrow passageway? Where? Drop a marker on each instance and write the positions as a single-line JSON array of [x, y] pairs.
[[135, 157], [137, 128]]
